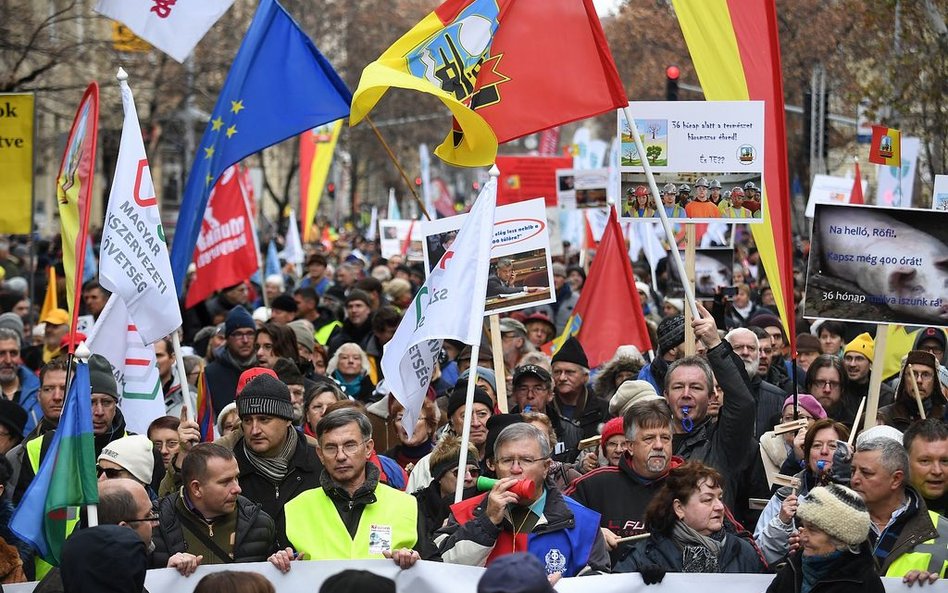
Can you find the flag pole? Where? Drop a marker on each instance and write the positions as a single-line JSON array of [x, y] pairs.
[[669, 233], [398, 166], [182, 374], [500, 369], [466, 433], [83, 353]]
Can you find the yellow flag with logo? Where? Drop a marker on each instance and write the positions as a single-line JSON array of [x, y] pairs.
[[16, 163]]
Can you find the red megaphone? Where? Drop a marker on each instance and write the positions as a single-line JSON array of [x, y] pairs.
[[524, 489]]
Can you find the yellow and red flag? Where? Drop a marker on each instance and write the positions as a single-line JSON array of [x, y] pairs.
[[74, 194], [736, 53], [886, 147], [516, 68], [316, 150]]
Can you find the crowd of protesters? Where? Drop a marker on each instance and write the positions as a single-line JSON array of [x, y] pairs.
[[676, 463]]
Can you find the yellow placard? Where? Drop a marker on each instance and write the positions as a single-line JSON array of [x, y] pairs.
[[16, 162]]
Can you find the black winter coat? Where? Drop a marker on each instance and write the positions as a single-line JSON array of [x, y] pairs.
[[254, 537], [852, 573], [737, 555]]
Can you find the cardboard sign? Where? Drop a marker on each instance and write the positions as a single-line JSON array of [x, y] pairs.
[[878, 265], [582, 188], [401, 237], [828, 189], [527, 177]]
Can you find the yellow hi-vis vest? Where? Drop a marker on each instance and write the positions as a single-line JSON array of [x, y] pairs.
[[930, 555], [323, 334], [314, 527], [34, 450]]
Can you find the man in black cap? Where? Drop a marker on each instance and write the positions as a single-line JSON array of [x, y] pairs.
[[533, 390], [283, 309], [276, 461], [935, 340], [357, 326], [671, 339], [573, 400], [237, 355]]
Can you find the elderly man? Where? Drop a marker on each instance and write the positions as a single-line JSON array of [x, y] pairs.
[[237, 355], [351, 515], [208, 518], [275, 460], [574, 401], [17, 382], [927, 446], [768, 397], [621, 493], [907, 539], [560, 532], [923, 368], [727, 444]]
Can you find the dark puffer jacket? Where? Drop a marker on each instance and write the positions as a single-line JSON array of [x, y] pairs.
[[254, 537], [736, 556], [851, 573]]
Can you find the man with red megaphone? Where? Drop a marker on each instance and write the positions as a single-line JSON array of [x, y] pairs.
[[523, 512]]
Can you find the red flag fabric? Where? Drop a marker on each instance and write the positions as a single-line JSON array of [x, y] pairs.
[[855, 196], [226, 252], [608, 313]]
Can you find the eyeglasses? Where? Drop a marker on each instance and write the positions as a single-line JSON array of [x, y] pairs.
[[471, 469], [617, 445], [243, 335], [535, 389], [162, 444], [821, 384], [151, 518], [110, 472], [523, 462], [923, 375], [348, 449]]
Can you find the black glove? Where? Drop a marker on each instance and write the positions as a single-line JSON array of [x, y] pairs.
[[652, 574]]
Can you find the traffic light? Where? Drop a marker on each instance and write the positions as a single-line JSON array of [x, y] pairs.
[[331, 190], [671, 83], [417, 181]]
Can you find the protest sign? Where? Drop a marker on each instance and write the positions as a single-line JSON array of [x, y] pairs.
[[527, 177], [521, 272], [582, 188], [878, 265], [940, 194], [828, 189], [401, 237], [705, 149], [16, 162]]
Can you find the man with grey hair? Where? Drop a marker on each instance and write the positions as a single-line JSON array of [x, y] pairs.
[[907, 539], [352, 515], [621, 493], [17, 383], [524, 511], [767, 396]]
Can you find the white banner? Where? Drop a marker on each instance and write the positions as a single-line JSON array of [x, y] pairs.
[[133, 258], [133, 364], [435, 577], [888, 179], [173, 27]]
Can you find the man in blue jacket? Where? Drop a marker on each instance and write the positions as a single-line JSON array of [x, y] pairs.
[[19, 384]]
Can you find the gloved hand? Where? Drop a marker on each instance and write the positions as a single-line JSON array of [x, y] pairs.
[[842, 469], [652, 574]]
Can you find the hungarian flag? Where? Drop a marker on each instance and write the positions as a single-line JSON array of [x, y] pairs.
[[608, 313], [504, 68], [735, 47], [855, 196], [886, 147]]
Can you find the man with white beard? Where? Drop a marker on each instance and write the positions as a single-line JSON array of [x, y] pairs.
[[767, 396]]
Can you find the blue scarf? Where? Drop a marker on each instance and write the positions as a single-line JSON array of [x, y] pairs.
[[350, 388], [817, 567]]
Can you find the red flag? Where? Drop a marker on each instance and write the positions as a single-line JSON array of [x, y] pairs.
[[855, 196], [609, 313], [226, 252], [205, 410]]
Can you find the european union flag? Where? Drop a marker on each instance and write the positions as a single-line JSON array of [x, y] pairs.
[[278, 86]]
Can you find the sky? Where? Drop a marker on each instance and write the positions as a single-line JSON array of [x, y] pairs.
[[604, 7]]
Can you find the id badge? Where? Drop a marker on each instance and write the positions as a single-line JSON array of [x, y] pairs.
[[380, 539]]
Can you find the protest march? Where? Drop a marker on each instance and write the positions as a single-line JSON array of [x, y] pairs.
[[599, 337]]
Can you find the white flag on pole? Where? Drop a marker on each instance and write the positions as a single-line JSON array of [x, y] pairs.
[[293, 251], [450, 304], [133, 261], [372, 232], [394, 213], [173, 27], [133, 364]]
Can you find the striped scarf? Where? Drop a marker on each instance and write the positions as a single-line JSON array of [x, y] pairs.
[[275, 468]]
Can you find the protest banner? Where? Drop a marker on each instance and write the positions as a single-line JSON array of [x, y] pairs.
[[527, 177], [521, 266], [582, 188], [396, 235], [878, 265], [438, 577], [714, 269], [940, 193], [829, 189], [715, 144], [16, 162]]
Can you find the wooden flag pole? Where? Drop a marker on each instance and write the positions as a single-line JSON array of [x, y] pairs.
[[189, 404], [689, 280], [913, 386], [398, 166], [466, 432], [852, 435], [875, 377], [500, 376]]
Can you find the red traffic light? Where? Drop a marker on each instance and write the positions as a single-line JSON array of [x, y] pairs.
[[672, 72], [331, 187], [417, 180]]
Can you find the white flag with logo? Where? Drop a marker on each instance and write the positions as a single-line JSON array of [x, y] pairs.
[[173, 26], [133, 258], [450, 304], [293, 251], [133, 364]]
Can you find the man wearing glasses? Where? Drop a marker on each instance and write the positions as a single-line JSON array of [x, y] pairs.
[[921, 366], [533, 390], [351, 515], [237, 355], [563, 534]]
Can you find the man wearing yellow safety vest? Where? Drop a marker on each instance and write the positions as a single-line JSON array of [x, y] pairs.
[[907, 539], [351, 515]]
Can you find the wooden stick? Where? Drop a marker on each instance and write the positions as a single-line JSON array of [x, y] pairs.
[[852, 435], [875, 377], [785, 480], [913, 385], [633, 538], [497, 346], [791, 426], [590, 443], [690, 281], [398, 166]]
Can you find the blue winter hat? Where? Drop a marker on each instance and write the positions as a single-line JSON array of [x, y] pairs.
[[517, 573], [482, 373], [238, 318]]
